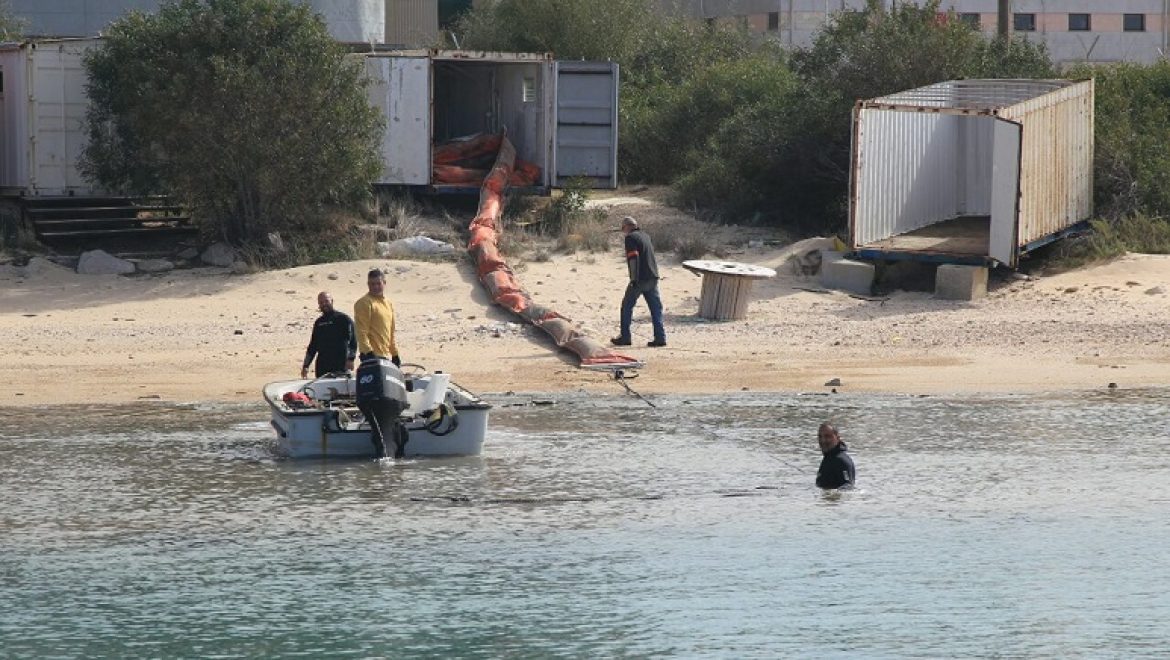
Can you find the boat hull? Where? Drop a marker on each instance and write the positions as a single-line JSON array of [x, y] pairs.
[[306, 435], [330, 425]]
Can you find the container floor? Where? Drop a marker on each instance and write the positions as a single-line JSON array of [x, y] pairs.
[[965, 235]]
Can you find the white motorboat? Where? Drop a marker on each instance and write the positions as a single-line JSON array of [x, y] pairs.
[[320, 418]]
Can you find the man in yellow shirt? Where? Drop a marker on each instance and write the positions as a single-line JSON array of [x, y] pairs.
[[374, 317]]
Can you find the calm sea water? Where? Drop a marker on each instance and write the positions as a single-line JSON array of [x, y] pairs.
[[1009, 526]]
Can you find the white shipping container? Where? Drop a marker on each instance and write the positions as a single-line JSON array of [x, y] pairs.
[[560, 116], [42, 114], [971, 171]]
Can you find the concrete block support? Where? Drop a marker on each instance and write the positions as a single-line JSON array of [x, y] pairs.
[[953, 282], [846, 275]]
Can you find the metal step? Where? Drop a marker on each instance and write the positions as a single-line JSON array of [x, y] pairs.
[[132, 231], [165, 210], [108, 223]]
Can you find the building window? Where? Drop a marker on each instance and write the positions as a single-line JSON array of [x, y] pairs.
[[773, 21], [1134, 22], [1024, 23], [1079, 23], [972, 21]]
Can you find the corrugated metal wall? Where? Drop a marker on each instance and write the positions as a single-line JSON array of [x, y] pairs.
[[44, 113], [14, 128], [915, 168], [1056, 160], [412, 23]]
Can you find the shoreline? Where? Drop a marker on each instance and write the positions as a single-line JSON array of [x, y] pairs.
[[206, 335]]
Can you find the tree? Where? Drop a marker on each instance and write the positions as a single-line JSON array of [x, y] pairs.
[[871, 53], [246, 109], [11, 27]]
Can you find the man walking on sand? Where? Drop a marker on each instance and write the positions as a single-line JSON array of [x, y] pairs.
[[374, 316], [333, 342], [643, 272]]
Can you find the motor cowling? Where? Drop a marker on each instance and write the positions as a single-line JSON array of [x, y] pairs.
[[379, 381], [381, 396]]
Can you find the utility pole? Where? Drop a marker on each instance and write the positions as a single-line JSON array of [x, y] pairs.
[[1005, 21]]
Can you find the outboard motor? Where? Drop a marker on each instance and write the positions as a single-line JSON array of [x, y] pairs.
[[381, 396]]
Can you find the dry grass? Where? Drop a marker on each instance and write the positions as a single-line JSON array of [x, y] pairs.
[[584, 231], [686, 244]]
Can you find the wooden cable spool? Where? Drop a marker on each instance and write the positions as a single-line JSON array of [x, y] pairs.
[[727, 287]]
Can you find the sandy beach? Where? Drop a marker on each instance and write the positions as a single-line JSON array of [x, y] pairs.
[[207, 334]]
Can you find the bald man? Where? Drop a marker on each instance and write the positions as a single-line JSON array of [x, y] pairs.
[[334, 343]]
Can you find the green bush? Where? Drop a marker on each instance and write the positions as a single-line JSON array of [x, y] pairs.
[[1132, 161], [11, 27], [1109, 239], [572, 29], [248, 111], [674, 136], [867, 54], [734, 123], [655, 50]]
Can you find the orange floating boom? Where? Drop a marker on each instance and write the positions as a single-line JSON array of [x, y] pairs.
[[501, 282]]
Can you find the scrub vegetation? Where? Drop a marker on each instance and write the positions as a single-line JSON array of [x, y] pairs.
[[255, 119], [1132, 163], [248, 111], [746, 131], [736, 124]]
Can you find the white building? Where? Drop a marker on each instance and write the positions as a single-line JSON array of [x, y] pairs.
[[350, 21], [1074, 30]]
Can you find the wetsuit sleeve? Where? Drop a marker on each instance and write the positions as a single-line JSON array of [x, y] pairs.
[[362, 314], [632, 257], [311, 350], [351, 339]]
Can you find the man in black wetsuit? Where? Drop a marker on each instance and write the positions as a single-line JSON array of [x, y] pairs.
[[836, 470], [333, 342]]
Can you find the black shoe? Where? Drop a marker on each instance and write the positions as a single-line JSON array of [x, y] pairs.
[[656, 343], [620, 341]]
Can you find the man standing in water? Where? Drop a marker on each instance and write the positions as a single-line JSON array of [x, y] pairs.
[[333, 342], [374, 316], [643, 271], [836, 470]]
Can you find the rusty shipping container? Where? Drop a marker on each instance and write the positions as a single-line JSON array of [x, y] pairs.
[[971, 171]]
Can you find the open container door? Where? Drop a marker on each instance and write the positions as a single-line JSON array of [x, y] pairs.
[[401, 90], [1005, 192], [585, 122]]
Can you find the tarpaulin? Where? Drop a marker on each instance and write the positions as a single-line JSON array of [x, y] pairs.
[[467, 160]]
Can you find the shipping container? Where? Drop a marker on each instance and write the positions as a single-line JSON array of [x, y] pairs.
[[971, 171], [42, 114], [560, 115]]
